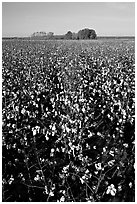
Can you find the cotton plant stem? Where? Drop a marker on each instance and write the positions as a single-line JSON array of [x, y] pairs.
[[70, 190], [33, 186], [8, 198], [26, 162], [34, 140], [49, 193], [102, 176], [86, 192], [84, 182]]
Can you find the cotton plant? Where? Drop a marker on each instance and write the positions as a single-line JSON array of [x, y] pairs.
[[111, 163], [11, 180], [35, 130], [52, 152], [111, 190]]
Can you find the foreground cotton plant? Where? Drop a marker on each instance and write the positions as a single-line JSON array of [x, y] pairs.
[[111, 190]]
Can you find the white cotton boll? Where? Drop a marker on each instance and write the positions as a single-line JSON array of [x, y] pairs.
[[111, 153], [34, 103], [11, 180], [108, 115], [111, 190], [82, 181], [63, 191], [119, 188], [83, 177], [34, 132], [69, 102], [9, 124], [65, 101], [53, 133], [67, 129], [14, 145], [37, 127], [56, 113], [104, 149], [52, 100], [70, 144], [74, 130], [23, 111], [63, 149], [57, 97], [16, 108], [53, 187], [98, 133], [28, 113], [57, 149], [52, 150], [53, 127], [4, 92], [81, 100], [87, 171], [94, 147], [130, 184], [32, 96], [46, 137], [80, 125], [87, 145], [117, 89], [63, 126], [111, 163], [36, 178], [96, 172], [125, 145], [90, 135], [46, 190], [62, 199], [98, 166], [51, 154], [77, 107]]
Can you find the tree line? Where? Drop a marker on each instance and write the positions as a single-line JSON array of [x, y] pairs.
[[81, 35]]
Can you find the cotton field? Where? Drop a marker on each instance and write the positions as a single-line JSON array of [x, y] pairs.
[[68, 120]]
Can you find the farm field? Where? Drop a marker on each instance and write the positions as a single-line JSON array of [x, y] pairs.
[[68, 120]]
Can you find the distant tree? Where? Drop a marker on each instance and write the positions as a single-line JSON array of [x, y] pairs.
[[93, 34], [74, 36], [86, 34], [68, 35], [50, 35], [38, 34]]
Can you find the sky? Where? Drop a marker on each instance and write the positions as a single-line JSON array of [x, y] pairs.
[[106, 18]]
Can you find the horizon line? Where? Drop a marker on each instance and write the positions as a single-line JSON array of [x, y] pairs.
[[64, 34]]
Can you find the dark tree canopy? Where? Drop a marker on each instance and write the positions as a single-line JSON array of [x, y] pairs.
[[87, 34], [68, 35], [74, 36]]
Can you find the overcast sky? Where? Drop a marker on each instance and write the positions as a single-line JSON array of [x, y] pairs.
[[107, 18]]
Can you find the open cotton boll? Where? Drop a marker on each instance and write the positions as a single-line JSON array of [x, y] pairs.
[[34, 132], [111, 190]]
